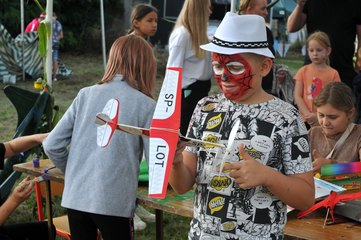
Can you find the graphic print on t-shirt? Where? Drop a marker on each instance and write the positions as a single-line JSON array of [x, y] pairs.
[[270, 134]]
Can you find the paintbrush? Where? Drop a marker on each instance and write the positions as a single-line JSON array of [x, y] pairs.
[[23, 185]]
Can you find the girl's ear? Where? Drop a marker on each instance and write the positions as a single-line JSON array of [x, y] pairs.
[[266, 66], [351, 114], [329, 50], [136, 24]]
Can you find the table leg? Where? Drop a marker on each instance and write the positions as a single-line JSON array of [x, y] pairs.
[[159, 224], [48, 209]]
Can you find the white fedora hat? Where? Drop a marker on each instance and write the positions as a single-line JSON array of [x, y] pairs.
[[240, 34]]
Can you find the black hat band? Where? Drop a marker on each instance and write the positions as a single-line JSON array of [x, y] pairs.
[[246, 45]]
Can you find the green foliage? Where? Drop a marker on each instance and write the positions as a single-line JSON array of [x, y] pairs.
[[297, 46], [77, 17], [71, 41], [39, 6], [42, 39]]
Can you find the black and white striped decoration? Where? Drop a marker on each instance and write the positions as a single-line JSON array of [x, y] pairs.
[[245, 45], [11, 54]]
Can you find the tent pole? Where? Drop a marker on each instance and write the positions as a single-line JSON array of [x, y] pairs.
[[22, 36], [49, 47], [103, 33], [234, 5]]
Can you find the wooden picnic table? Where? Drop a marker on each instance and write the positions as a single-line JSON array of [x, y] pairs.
[[309, 227]]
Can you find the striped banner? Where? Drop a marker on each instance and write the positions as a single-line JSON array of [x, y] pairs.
[[11, 61]]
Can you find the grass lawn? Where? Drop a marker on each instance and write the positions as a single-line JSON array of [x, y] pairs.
[[87, 70]]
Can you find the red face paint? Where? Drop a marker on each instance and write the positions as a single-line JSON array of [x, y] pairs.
[[233, 74]]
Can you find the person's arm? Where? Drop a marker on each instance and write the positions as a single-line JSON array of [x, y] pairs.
[[19, 195], [296, 190], [336, 77], [183, 173], [358, 52], [22, 144], [319, 161], [177, 48], [298, 94], [297, 19]]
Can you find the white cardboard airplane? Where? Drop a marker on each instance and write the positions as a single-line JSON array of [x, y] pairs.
[[164, 131]]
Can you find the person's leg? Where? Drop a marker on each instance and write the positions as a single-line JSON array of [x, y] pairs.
[[139, 224], [81, 225], [27, 231], [114, 228], [144, 214], [55, 62]]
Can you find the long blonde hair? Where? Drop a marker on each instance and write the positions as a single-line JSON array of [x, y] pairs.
[[194, 17], [243, 6], [132, 57]]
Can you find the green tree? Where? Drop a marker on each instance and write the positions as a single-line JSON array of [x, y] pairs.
[[80, 20]]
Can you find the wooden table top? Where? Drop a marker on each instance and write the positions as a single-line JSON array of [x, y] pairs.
[[309, 227], [54, 174], [180, 204]]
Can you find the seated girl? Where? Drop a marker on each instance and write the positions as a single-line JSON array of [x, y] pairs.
[[337, 139]]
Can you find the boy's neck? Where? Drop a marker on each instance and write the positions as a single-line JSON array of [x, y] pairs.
[[256, 98]]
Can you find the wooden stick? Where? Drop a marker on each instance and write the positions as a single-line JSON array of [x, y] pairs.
[[324, 223]]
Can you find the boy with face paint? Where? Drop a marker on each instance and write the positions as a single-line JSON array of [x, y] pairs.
[[269, 164]]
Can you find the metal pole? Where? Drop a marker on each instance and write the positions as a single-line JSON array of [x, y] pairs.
[[271, 18], [22, 36], [234, 5], [103, 33], [49, 48]]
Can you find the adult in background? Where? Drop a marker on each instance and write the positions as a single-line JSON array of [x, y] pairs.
[[341, 20], [57, 36], [190, 31], [259, 7]]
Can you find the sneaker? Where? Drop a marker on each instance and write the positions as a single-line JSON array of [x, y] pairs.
[[144, 214], [55, 79], [139, 225]]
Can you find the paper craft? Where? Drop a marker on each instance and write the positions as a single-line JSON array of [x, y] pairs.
[[323, 188], [347, 175]]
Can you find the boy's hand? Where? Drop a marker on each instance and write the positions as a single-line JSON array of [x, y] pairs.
[[178, 157], [248, 173], [22, 191], [301, 2], [318, 161]]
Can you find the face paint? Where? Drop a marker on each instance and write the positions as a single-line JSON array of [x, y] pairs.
[[233, 74]]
